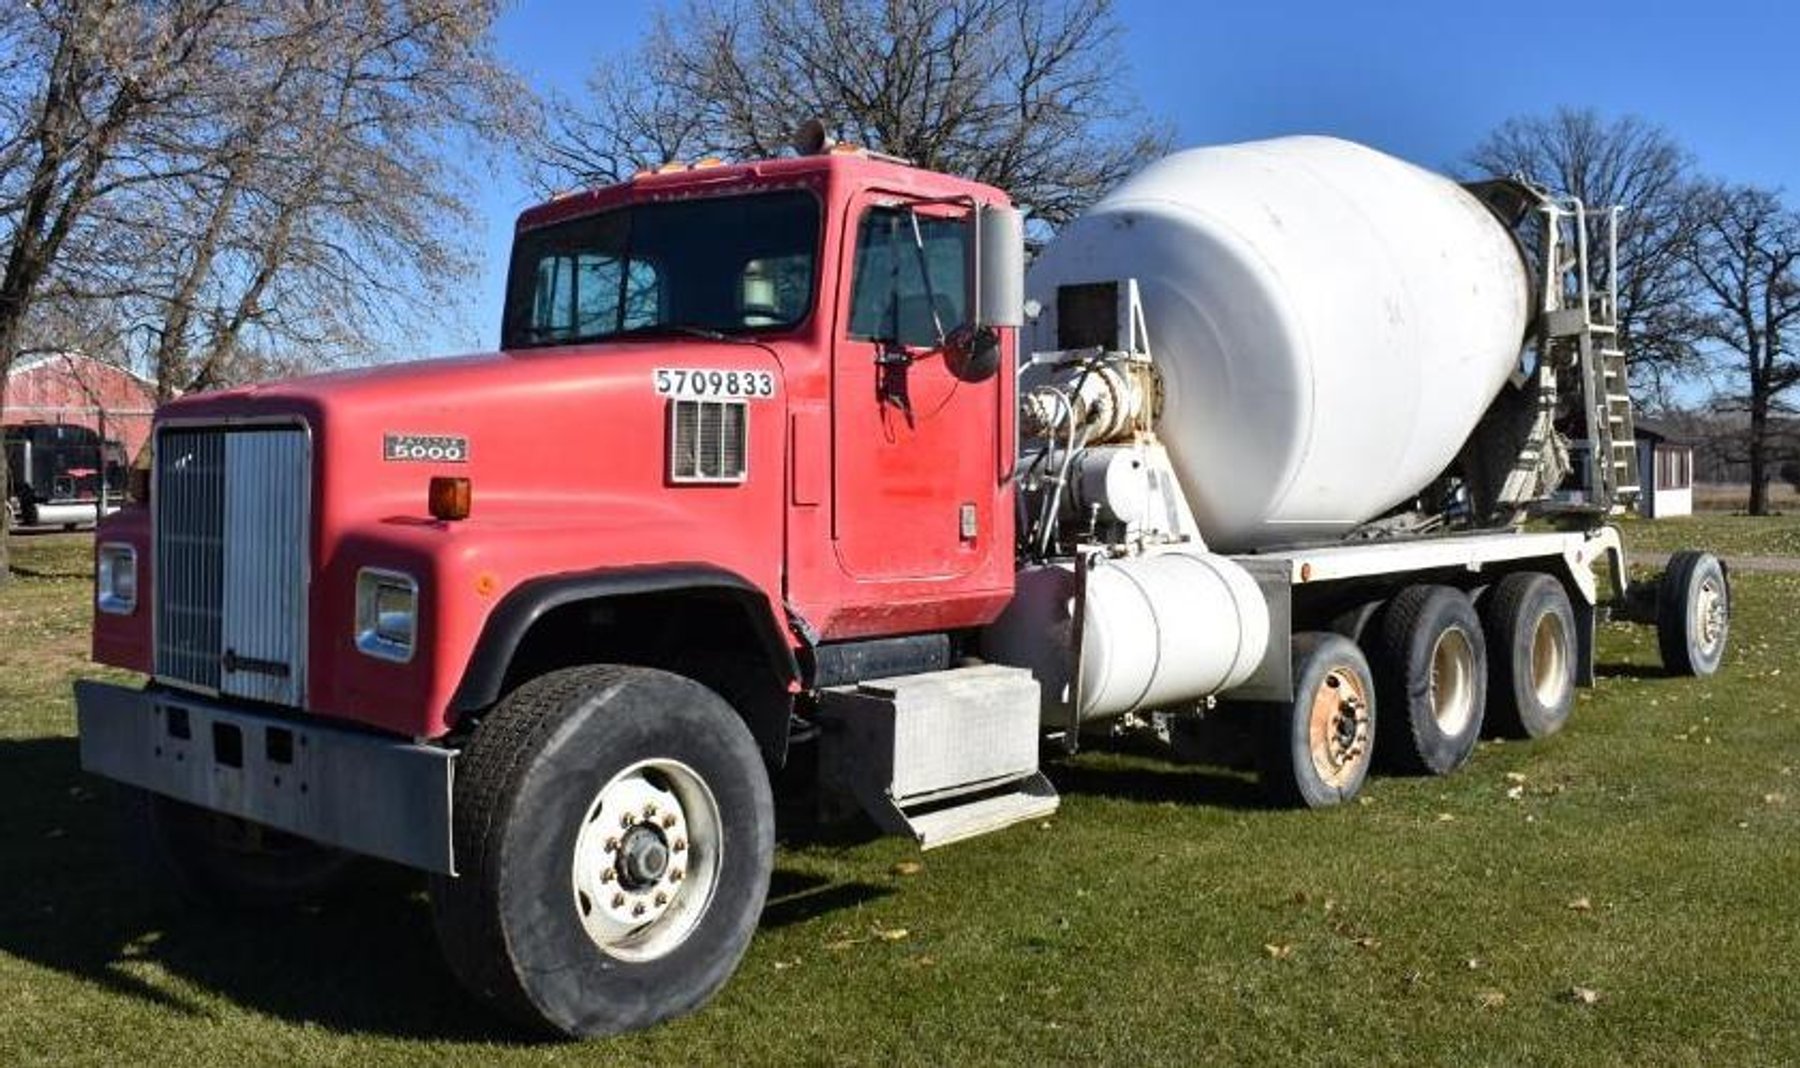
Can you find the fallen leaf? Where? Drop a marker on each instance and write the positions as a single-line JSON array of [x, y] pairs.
[[891, 934], [1581, 904], [1490, 999], [1582, 995], [908, 867], [1282, 952]]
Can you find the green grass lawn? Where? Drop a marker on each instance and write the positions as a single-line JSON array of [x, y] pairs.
[[1647, 855], [1727, 535]]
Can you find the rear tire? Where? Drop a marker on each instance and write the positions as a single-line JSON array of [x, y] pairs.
[[614, 834], [1316, 749], [1430, 680], [1532, 650], [1693, 614]]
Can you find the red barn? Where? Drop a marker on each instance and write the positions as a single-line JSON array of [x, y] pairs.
[[71, 388]]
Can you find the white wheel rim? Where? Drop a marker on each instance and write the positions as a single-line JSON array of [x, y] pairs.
[[647, 860], [1710, 618], [1452, 688], [1550, 660]]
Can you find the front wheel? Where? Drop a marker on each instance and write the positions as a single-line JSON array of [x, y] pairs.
[[217, 861], [614, 833]]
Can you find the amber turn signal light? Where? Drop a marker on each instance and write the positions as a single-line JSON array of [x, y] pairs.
[[449, 498]]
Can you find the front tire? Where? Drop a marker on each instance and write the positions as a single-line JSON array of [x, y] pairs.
[[1430, 680], [614, 833], [208, 859]]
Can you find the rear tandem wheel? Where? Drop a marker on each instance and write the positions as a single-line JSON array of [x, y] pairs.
[[1315, 749]]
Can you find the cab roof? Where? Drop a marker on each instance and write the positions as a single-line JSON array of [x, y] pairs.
[[840, 166]]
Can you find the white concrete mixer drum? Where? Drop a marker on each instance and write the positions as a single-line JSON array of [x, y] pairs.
[[1330, 323]]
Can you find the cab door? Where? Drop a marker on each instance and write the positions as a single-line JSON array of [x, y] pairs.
[[916, 450]]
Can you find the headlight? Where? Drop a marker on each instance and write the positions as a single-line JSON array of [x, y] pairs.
[[387, 614], [115, 579]]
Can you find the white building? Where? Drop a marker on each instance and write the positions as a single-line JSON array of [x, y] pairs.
[[1666, 463]]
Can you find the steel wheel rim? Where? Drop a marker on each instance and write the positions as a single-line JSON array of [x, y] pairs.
[[1452, 683], [1550, 659], [1709, 616], [1338, 726], [647, 860]]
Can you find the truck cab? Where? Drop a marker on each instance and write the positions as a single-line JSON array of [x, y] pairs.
[[61, 474], [747, 436]]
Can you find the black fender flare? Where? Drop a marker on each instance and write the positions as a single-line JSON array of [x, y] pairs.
[[485, 675]]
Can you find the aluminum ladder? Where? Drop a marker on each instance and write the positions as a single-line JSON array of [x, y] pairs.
[[1580, 316]]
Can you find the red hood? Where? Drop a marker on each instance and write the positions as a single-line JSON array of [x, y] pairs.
[[548, 431]]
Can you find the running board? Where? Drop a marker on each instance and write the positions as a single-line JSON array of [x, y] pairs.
[[931, 826], [939, 757]]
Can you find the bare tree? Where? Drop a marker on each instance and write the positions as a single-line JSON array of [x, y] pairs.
[[239, 188], [1639, 167], [86, 77], [1023, 95], [322, 211], [1747, 257]]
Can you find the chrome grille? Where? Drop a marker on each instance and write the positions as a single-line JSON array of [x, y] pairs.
[[231, 537]]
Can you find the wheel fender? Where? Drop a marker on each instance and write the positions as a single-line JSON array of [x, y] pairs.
[[484, 678]]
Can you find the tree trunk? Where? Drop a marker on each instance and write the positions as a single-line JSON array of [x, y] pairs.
[[1759, 458]]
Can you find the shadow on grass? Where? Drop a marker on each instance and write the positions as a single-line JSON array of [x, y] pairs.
[[1186, 784], [34, 573], [366, 962], [1631, 671]]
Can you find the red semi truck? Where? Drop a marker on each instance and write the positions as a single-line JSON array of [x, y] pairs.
[[755, 471]]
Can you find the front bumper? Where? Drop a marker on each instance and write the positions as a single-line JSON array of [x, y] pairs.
[[363, 793]]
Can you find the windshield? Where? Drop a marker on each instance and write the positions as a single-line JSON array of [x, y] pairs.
[[735, 265]]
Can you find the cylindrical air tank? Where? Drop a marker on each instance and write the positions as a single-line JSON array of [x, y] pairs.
[[1158, 630], [1330, 322]]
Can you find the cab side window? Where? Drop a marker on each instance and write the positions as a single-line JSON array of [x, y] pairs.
[[890, 300]]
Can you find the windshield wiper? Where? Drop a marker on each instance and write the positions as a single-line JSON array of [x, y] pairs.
[[653, 329]]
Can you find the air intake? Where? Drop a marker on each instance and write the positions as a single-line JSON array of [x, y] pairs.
[[708, 440]]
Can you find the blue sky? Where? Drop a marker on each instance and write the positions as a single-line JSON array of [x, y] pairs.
[[1421, 80]]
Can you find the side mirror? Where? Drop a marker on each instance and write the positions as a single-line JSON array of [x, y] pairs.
[[998, 274], [997, 292]]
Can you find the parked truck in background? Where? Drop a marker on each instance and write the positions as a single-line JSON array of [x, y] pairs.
[[789, 456], [61, 475]]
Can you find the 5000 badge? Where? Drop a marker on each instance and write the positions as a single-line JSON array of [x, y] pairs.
[[425, 448], [692, 383]]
